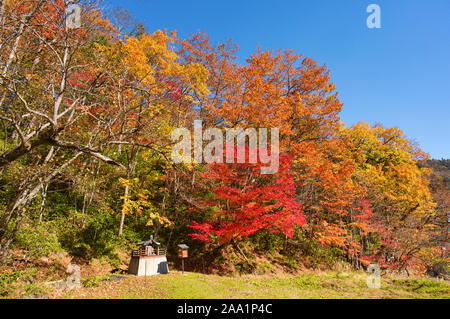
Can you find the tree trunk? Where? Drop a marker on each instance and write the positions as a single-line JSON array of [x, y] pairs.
[[130, 172], [122, 217], [43, 203]]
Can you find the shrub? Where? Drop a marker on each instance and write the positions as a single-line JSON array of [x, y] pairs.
[[38, 240]]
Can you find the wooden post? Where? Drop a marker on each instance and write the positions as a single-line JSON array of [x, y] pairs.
[[182, 265]]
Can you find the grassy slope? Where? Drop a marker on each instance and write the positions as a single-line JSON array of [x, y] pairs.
[[323, 285]]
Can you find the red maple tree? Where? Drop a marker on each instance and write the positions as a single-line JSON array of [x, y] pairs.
[[245, 202]]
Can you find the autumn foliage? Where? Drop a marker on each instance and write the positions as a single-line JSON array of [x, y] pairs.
[[93, 108], [244, 202]]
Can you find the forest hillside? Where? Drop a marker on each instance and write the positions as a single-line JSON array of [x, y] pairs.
[[87, 118]]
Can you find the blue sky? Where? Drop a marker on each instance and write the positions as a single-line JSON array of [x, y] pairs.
[[398, 75]]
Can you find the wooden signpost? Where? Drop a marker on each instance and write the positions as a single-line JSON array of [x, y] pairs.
[[182, 253]]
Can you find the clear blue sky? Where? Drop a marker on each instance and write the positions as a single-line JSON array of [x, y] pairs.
[[398, 75]]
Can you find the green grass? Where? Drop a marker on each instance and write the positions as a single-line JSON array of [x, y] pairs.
[[311, 285]]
